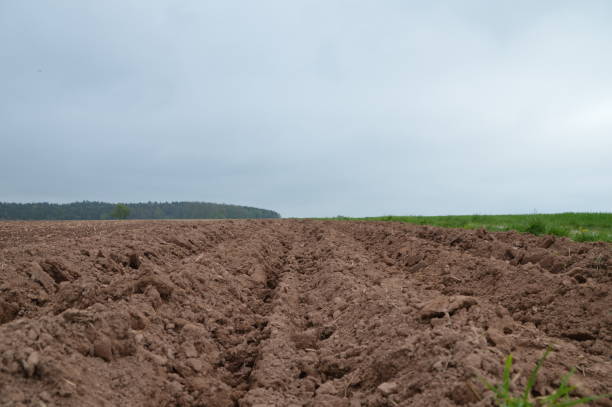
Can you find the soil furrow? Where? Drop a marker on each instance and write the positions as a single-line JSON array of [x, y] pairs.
[[292, 313]]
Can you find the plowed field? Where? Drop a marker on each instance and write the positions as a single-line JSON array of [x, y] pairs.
[[293, 313]]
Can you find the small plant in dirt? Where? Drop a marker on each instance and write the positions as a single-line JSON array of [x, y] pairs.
[[560, 398]]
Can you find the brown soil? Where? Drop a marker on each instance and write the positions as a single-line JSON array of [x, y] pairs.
[[292, 313]]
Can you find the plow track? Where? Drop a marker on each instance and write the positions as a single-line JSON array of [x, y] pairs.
[[293, 313]]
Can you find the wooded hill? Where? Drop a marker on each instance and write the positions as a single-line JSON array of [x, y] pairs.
[[87, 210]]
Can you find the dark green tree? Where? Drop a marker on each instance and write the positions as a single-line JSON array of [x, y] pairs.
[[143, 210], [120, 211]]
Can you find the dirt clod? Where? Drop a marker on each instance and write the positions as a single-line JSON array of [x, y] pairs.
[[387, 388], [102, 348], [440, 306], [30, 364], [134, 261]]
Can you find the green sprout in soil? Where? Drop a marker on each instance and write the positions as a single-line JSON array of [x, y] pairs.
[[560, 398]]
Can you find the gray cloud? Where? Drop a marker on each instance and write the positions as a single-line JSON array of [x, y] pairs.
[[311, 108]]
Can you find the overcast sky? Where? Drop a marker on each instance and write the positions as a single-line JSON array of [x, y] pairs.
[[310, 108]]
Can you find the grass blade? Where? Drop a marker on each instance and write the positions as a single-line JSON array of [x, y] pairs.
[[534, 375], [576, 402], [563, 390], [507, 372]]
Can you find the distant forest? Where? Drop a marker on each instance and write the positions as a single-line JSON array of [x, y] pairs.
[[148, 210]]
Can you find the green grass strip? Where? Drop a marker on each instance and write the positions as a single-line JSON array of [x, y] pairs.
[[579, 226]]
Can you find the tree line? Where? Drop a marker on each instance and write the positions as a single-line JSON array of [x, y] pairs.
[[88, 210]]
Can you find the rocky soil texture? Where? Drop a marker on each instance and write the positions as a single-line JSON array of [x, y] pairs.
[[293, 313]]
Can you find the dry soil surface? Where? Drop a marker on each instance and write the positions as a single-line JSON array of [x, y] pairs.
[[293, 313]]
